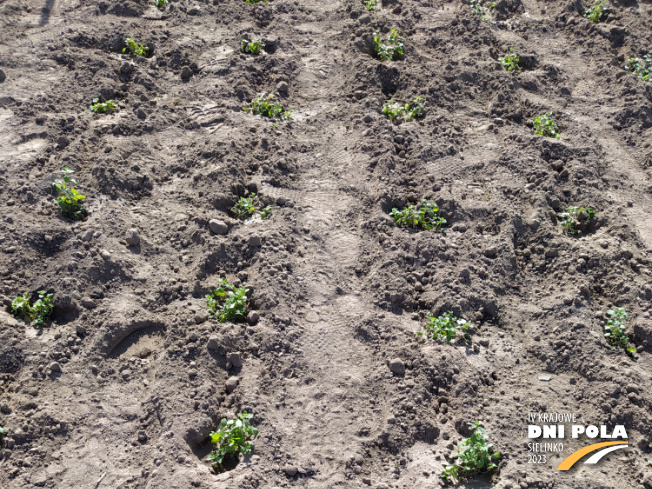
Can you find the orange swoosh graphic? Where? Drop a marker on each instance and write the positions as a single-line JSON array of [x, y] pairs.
[[575, 456]]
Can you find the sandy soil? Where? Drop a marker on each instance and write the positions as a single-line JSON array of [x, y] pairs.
[[340, 289]]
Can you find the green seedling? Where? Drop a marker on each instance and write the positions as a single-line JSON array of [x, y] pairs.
[[256, 1], [396, 112], [614, 330], [245, 207], [545, 126], [480, 8], [134, 48], [267, 107], [227, 302], [371, 4], [426, 217], [394, 46], [474, 455], [232, 438], [595, 13], [265, 212], [254, 46], [160, 3], [68, 198], [641, 67], [445, 327], [102, 107], [575, 218], [510, 61], [37, 313]]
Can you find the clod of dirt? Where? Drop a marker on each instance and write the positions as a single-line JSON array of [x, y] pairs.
[[186, 73], [290, 470], [132, 237], [235, 359], [3, 77], [253, 317], [231, 384], [397, 366], [213, 343], [255, 241], [218, 227]]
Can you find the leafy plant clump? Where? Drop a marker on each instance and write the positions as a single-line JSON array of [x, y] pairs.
[[474, 455], [160, 3], [256, 1], [253, 46], [445, 327], [37, 313], [394, 46], [102, 107], [68, 198], [545, 126], [480, 8], [595, 13], [246, 207], [510, 61], [134, 48], [575, 218], [614, 330], [426, 217], [227, 302], [267, 107], [396, 112], [232, 438], [371, 4], [641, 67]]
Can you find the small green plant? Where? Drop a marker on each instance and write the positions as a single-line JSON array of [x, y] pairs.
[[246, 207], [641, 67], [265, 212], [545, 126], [267, 107], [253, 46], [256, 1], [396, 112], [371, 4], [474, 455], [134, 48], [227, 302], [595, 13], [394, 46], [160, 3], [102, 107], [36, 313], [232, 438], [480, 8], [575, 218], [445, 327], [68, 198], [510, 61], [425, 217], [614, 330]]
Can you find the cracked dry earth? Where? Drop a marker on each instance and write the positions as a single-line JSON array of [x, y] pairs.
[[124, 386]]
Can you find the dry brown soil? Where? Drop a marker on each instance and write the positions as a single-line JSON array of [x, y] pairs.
[[340, 289]]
